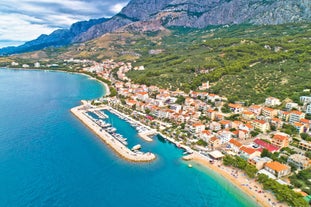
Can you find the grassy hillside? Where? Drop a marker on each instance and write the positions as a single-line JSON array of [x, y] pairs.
[[243, 62]]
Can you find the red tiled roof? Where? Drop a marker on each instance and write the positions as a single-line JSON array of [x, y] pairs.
[[235, 142], [235, 105], [280, 137], [260, 121], [276, 166], [265, 145], [248, 150], [296, 112]]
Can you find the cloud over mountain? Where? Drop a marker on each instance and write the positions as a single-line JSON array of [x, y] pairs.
[[23, 20]]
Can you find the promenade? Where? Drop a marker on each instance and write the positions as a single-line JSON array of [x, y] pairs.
[[118, 147]]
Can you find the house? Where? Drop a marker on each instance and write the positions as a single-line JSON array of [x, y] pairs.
[[299, 161], [225, 124], [261, 144], [291, 105], [299, 127], [305, 99], [308, 109], [305, 145], [130, 102], [244, 134], [271, 101], [256, 109], [269, 112], [176, 107], [284, 115], [213, 97], [306, 123], [211, 114], [215, 126], [214, 143], [236, 108], [197, 128], [143, 96], [204, 86], [235, 145], [248, 153], [276, 122], [224, 136], [206, 135], [295, 116], [259, 162], [261, 125], [248, 115], [277, 169], [280, 140]]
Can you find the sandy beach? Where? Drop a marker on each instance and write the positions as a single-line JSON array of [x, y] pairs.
[[240, 180]]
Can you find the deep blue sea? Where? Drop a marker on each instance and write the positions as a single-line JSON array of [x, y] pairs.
[[49, 158]]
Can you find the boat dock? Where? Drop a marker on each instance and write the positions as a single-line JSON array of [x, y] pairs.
[[113, 140], [143, 131]]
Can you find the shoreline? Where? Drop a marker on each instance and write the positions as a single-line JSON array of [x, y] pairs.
[[238, 179], [196, 157], [105, 85], [120, 149]]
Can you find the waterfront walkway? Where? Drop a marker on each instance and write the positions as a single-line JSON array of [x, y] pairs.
[[118, 147]]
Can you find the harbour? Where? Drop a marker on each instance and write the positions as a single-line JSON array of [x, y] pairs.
[[108, 135], [52, 158]]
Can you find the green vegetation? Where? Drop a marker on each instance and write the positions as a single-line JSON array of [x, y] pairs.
[[305, 136], [243, 62], [282, 192], [202, 143], [240, 163], [302, 180]]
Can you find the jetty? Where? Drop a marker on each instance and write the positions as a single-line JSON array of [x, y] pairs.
[[113, 142]]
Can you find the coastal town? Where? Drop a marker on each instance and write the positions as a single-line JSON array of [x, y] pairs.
[[274, 137]]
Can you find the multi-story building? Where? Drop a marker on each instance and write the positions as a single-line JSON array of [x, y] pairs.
[[305, 99], [280, 140], [271, 101], [269, 112], [261, 125], [305, 145], [308, 109], [299, 161], [277, 169], [295, 116], [236, 108]]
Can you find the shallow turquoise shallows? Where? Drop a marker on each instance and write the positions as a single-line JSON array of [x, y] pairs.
[[49, 158]]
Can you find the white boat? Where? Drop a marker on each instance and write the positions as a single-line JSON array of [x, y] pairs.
[[136, 147]]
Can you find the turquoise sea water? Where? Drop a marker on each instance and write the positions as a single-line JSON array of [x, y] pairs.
[[49, 158]]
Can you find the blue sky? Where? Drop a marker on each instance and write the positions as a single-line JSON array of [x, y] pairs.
[[24, 20]]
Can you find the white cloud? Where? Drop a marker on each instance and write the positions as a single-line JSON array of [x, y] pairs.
[[24, 20], [16, 27], [117, 7]]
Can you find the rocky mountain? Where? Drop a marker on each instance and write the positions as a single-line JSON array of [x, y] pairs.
[[60, 37], [186, 13]]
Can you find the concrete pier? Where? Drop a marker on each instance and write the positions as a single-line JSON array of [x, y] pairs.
[[113, 143]]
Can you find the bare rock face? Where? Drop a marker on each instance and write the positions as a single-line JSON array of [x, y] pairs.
[[202, 13], [188, 13]]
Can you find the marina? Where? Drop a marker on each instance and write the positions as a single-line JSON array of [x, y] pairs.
[[107, 133]]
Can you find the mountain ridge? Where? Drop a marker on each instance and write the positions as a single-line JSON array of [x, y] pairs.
[[186, 13]]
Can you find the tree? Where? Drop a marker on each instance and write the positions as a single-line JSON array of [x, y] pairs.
[[225, 108], [305, 136], [180, 100]]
